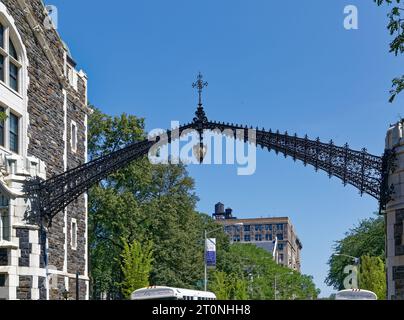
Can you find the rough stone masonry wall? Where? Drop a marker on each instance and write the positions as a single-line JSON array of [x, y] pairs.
[[46, 125], [24, 288], [398, 271], [24, 246], [76, 210]]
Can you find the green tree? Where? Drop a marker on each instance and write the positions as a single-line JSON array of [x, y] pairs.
[[228, 286], [256, 270], [220, 285], [142, 202], [240, 289], [136, 265], [368, 238], [372, 276], [396, 29]]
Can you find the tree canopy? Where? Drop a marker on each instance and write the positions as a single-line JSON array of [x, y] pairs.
[[372, 276], [366, 239], [136, 265], [141, 202], [254, 274], [396, 29], [145, 203]]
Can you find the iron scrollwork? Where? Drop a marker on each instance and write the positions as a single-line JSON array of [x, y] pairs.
[[368, 173]]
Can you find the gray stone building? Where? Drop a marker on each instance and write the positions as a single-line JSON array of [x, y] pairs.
[[44, 134]]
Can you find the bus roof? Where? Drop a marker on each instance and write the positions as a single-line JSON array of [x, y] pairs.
[[166, 292], [355, 294]]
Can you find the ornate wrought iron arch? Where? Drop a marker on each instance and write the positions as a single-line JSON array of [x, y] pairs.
[[366, 172]]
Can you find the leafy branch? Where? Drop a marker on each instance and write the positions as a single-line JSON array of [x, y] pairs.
[[396, 29]]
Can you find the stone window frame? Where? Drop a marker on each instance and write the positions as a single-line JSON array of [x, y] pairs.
[[73, 136], [11, 100], [11, 133], [9, 59], [72, 76], [5, 216], [73, 234], [399, 233], [6, 128]]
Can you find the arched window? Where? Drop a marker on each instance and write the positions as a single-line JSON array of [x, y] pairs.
[[10, 64], [13, 87]]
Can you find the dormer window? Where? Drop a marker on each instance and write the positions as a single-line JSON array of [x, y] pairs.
[[10, 64]]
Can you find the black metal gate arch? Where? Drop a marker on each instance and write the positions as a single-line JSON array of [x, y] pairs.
[[366, 172]]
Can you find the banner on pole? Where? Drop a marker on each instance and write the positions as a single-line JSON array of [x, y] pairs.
[[210, 252]]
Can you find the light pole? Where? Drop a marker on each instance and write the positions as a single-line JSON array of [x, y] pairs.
[[206, 240], [355, 259]]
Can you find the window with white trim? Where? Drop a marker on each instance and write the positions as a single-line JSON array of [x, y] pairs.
[[10, 62], [74, 234], [3, 280], [4, 219], [73, 140], [4, 226], [14, 132], [10, 130]]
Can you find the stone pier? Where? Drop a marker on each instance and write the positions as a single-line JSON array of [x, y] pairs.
[[395, 216]]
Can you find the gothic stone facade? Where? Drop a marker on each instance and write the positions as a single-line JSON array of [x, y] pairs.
[[44, 134], [395, 216]]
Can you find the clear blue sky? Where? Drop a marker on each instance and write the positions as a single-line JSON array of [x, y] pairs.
[[287, 65]]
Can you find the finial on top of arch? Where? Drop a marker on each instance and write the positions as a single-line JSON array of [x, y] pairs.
[[200, 84], [200, 113]]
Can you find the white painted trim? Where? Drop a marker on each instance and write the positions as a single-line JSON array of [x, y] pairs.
[[64, 129], [86, 260], [39, 272], [86, 234]]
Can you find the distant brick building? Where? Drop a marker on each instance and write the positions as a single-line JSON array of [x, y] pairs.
[[44, 134], [263, 233]]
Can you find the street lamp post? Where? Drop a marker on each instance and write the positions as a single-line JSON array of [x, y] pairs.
[[355, 259], [205, 262]]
